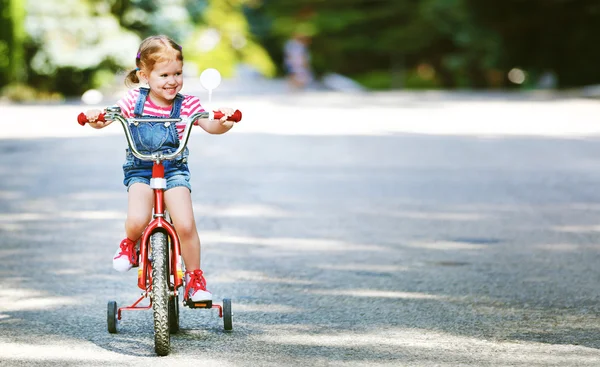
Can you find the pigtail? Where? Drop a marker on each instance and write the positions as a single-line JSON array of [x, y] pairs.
[[131, 79]]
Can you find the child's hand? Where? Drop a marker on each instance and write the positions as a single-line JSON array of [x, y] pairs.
[[227, 112], [92, 116]]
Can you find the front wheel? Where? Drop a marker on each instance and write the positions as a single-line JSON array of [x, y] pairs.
[[160, 292]]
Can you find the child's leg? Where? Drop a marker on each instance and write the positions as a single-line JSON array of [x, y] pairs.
[[139, 210], [179, 203]]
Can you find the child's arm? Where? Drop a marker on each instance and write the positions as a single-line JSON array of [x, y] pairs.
[[218, 126], [124, 104]]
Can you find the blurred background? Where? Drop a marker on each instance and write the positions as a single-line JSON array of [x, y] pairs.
[[57, 49]]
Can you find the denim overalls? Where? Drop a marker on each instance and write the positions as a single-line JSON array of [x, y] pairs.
[[151, 137]]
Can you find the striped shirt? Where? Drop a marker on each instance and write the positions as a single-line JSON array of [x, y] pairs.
[[189, 106]]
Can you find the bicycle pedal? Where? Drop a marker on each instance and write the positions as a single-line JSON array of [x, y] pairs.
[[191, 304]]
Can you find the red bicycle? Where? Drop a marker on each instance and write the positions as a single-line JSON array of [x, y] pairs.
[[160, 273]]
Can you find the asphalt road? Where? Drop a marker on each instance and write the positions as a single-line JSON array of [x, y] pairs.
[[391, 229]]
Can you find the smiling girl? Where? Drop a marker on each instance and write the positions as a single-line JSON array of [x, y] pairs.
[[159, 65]]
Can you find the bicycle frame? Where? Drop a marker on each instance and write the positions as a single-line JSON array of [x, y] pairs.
[[159, 222], [158, 184]]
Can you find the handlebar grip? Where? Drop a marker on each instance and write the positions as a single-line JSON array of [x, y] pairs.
[[236, 117], [82, 118]]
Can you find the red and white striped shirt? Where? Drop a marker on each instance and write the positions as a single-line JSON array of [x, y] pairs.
[[189, 106]]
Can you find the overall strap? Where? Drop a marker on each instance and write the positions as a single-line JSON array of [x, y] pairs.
[[139, 104], [176, 110]]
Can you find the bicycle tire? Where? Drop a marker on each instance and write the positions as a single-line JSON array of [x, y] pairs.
[[174, 314], [160, 293]]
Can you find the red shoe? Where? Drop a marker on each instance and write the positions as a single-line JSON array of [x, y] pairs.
[[196, 286], [126, 256]]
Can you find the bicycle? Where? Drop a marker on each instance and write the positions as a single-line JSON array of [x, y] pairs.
[[161, 271]]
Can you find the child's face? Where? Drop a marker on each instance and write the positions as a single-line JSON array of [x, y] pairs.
[[165, 81]]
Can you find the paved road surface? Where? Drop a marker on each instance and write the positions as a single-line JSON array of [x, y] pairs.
[[359, 230]]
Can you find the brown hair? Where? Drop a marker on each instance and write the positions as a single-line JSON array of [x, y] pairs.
[[152, 50]]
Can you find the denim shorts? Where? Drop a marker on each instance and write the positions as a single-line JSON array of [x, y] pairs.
[[177, 172]]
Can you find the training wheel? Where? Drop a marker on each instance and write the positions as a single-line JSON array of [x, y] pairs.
[[111, 317], [227, 315]]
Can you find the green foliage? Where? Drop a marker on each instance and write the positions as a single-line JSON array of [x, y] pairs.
[[17, 15], [19, 92], [12, 39], [464, 40], [73, 45], [102, 77], [223, 39], [418, 79], [71, 38], [4, 57], [470, 50], [377, 80], [540, 35], [76, 34]]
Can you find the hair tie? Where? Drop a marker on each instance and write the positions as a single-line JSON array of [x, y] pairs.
[[137, 69], [138, 56]]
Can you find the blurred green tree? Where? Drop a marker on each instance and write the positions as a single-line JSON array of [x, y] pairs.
[[559, 36], [372, 41], [464, 52], [222, 38], [12, 42], [455, 43], [75, 45]]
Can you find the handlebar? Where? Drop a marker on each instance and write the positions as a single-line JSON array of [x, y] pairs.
[[114, 113], [217, 115]]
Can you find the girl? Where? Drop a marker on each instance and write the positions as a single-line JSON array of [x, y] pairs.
[[159, 64]]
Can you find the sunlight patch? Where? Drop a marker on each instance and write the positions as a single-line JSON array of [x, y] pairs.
[[446, 245], [11, 195], [96, 196], [446, 348], [445, 216], [60, 351], [93, 214], [577, 229], [12, 299], [363, 267], [262, 211], [559, 247], [369, 293], [255, 276], [69, 271], [11, 227], [304, 244], [266, 308]]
